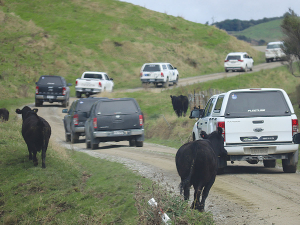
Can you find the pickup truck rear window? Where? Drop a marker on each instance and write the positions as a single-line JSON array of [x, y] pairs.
[[84, 106], [117, 107], [92, 75], [254, 104], [50, 81], [151, 68]]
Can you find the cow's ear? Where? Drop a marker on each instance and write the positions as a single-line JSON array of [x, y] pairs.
[[18, 111], [35, 110], [171, 96], [220, 130]]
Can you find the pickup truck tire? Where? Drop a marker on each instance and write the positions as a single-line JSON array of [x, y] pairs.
[[139, 143], [269, 163], [87, 143], [131, 143], [68, 139], [38, 103], [74, 137], [65, 103], [166, 84], [78, 94], [94, 144]]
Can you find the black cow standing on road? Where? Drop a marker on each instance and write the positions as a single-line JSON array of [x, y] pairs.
[[36, 132], [197, 165], [180, 104], [4, 114]]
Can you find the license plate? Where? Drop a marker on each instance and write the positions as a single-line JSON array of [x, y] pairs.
[[146, 75], [88, 89], [50, 97], [152, 80], [259, 151], [118, 132]]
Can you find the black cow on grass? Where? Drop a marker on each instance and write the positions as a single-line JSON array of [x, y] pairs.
[[36, 132], [180, 104], [4, 114], [197, 165]]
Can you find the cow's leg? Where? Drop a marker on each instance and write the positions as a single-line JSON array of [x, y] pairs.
[[197, 195], [44, 149], [205, 193], [186, 192], [35, 161]]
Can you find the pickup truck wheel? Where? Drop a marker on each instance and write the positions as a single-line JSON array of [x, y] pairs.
[[38, 103], [176, 82], [64, 103], [289, 165], [289, 168], [68, 139], [88, 144], [139, 143], [94, 144], [269, 163], [166, 84], [74, 137], [78, 94], [131, 143]]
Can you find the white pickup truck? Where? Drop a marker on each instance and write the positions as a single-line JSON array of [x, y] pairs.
[[258, 125], [92, 83]]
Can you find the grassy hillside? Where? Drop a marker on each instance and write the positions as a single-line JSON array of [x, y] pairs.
[[269, 31], [70, 37]]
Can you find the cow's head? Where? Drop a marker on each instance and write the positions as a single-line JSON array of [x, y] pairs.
[[216, 140], [25, 111]]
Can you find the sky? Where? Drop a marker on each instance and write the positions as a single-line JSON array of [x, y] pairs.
[[202, 11]]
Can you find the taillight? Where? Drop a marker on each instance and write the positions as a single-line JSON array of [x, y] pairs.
[[37, 89], [141, 120], [75, 119], [241, 60], [162, 74], [95, 122], [222, 125], [64, 91], [141, 74], [76, 82], [100, 84], [226, 60], [294, 126]]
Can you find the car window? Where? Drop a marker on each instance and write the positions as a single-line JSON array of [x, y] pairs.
[[272, 46], [151, 68], [218, 105], [93, 75], [116, 107], [233, 57], [253, 104], [208, 107], [170, 67], [164, 67], [84, 106], [44, 80], [72, 107], [106, 77]]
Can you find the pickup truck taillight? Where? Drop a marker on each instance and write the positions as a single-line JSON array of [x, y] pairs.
[[141, 119], [294, 126], [37, 89], [64, 91], [95, 122], [141, 74], [162, 74], [226, 60], [75, 119], [76, 82], [241, 60], [222, 125], [100, 84]]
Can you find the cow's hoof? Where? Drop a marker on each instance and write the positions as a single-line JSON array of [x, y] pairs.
[[35, 163], [43, 166]]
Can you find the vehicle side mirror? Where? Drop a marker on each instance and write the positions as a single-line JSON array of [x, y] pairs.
[[111, 79], [196, 113], [69, 84], [65, 111], [296, 138]]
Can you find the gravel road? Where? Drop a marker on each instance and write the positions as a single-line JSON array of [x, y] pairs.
[[245, 194]]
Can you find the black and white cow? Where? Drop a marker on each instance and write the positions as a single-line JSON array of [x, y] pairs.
[[4, 114], [197, 165], [36, 132], [180, 104]]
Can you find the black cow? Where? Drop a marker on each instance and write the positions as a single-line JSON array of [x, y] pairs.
[[36, 132], [197, 165], [180, 104], [4, 114]]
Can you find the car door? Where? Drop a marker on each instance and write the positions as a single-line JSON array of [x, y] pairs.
[[171, 72], [204, 123], [69, 117], [108, 83]]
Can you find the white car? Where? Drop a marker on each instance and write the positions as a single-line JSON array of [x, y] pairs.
[[159, 73], [274, 52], [238, 61]]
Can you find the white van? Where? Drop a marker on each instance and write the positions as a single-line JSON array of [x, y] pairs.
[[258, 125], [274, 52]]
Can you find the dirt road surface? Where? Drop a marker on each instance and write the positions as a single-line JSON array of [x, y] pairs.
[[245, 194]]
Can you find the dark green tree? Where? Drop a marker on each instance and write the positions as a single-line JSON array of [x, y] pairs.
[[290, 27]]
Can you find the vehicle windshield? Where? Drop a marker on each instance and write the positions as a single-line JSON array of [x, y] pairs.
[[116, 107], [85, 106], [93, 75], [151, 68], [258, 103], [273, 46], [233, 57], [50, 81]]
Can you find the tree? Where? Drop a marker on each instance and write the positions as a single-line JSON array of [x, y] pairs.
[[290, 27]]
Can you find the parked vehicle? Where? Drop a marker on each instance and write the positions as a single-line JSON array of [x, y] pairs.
[[92, 83], [238, 61], [52, 89], [258, 125], [117, 119], [159, 73], [74, 121], [274, 51]]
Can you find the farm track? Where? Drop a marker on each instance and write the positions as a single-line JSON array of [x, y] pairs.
[[244, 194]]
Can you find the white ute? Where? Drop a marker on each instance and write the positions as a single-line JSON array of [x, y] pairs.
[[92, 83], [258, 125]]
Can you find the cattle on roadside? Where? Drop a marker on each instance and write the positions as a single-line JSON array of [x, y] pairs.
[[197, 165], [36, 132], [4, 114], [180, 104]]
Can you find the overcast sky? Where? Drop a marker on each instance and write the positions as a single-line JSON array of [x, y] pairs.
[[202, 11]]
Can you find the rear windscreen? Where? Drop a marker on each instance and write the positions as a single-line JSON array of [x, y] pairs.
[[151, 68], [117, 107], [85, 106], [92, 75], [233, 57], [50, 81], [254, 104], [273, 46]]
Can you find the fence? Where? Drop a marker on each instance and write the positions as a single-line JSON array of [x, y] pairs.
[[200, 99]]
